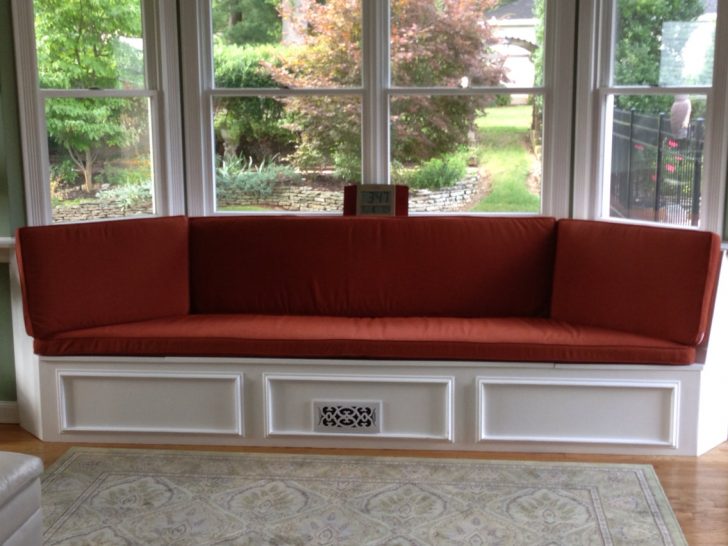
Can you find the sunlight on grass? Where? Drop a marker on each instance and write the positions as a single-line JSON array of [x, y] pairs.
[[504, 155], [243, 208]]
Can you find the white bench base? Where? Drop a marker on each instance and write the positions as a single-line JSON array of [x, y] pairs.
[[417, 404]]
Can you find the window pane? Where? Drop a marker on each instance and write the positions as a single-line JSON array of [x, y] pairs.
[[293, 153], [83, 45], [100, 161], [664, 43], [286, 43], [657, 158], [475, 153], [461, 43]]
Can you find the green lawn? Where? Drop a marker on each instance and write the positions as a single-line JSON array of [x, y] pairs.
[[504, 155], [243, 208]]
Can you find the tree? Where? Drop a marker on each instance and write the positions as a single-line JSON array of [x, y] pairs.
[[247, 22], [90, 44], [249, 126], [638, 48], [434, 42]]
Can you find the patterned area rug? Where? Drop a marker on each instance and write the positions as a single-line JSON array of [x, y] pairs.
[[139, 496]]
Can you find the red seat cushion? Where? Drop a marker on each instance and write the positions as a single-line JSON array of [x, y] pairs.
[[504, 339], [657, 282], [372, 267], [83, 275]]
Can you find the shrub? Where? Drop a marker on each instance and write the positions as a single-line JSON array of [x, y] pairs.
[[236, 173], [250, 126], [435, 173], [127, 195], [639, 47], [63, 174], [432, 41], [136, 171]]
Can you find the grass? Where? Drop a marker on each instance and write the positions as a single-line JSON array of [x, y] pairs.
[[504, 155], [241, 208]]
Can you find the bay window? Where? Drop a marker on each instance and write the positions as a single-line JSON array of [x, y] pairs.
[[478, 106]]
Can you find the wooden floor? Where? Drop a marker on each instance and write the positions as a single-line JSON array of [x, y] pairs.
[[696, 486]]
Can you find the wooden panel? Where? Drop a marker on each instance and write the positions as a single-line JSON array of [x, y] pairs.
[[610, 412], [411, 407], [151, 402]]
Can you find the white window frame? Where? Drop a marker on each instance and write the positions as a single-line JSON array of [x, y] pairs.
[[595, 90], [159, 19], [375, 93]]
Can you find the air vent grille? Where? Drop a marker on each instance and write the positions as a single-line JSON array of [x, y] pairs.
[[347, 417]]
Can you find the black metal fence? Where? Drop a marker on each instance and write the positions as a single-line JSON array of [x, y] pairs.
[[655, 176]]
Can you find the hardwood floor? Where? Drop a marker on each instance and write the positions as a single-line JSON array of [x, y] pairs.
[[696, 486]]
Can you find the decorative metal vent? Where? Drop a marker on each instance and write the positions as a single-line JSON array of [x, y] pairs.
[[347, 417]]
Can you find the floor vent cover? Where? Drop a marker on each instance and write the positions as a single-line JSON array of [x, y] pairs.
[[346, 417]]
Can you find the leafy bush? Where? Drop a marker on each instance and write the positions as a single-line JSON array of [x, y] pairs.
[[63, 173], [250, 126], [435, 173], [137, 171], [347, 166], [127, 195], [431, 42], [247, 21], [235, 172], [639, 47]]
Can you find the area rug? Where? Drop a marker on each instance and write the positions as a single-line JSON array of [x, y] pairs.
[[138, 496]]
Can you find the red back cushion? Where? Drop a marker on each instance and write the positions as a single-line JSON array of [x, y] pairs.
[[359, 266], [653, 281], [92, 274]]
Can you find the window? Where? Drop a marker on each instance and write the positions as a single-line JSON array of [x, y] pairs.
[[660, 113], [103, 129], [292, 100], [286, 103]]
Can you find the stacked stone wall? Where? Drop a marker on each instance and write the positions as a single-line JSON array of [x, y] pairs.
[[303, 198]]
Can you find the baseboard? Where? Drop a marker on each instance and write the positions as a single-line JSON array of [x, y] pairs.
[[9, 412]]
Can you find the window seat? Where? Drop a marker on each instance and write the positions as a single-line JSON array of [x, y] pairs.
[[511, 333]]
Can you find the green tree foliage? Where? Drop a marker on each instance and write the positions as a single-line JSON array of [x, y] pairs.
[[247, 22], [249, 126], [434, 42], [637, 59], [87, 44]]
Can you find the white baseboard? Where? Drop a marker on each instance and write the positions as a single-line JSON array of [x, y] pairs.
[[9, 412]]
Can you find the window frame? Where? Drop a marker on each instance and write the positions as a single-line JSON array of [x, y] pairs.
[[159, 23], [375, 92], [594, 92]]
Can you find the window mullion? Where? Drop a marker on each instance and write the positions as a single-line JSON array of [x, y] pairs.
[[596, 54], [196, 50], [375, 107], [160, 27], [714, 192], [32, 118], [558, 100]]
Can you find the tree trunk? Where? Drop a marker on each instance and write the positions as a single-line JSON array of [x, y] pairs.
[[88, 172], [235, 17]]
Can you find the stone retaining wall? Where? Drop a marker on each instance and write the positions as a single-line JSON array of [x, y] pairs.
[[459, 197], [98, 210], [315, 199]]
